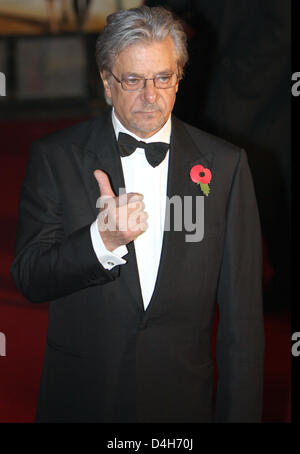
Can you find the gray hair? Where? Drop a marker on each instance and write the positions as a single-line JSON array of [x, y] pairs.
[[137, 25]]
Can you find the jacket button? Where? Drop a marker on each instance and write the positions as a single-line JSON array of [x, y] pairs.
[[143, 325]]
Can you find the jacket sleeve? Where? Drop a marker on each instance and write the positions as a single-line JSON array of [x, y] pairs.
[[49, 264], [240, 338]]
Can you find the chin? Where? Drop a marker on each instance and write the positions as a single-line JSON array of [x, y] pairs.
[[148, 127]]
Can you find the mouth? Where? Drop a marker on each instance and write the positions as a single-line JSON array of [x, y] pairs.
[[148, 112]]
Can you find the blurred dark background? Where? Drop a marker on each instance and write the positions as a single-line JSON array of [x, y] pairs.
[[236, 85]]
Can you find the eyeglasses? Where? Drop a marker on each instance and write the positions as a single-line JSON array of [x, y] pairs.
[[138, 83]]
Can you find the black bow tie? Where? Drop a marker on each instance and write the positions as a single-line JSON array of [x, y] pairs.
[[155, 152]]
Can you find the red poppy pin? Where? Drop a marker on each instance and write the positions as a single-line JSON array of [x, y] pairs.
[[201, 176]]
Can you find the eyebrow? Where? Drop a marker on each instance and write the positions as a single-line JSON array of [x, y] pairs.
[[132, 74]]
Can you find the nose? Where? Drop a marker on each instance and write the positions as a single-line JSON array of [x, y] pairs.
[[149, 92]]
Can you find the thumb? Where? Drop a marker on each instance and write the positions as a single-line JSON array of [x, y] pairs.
[[104, 184]]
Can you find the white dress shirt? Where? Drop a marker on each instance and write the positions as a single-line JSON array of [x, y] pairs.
[[150, 181]]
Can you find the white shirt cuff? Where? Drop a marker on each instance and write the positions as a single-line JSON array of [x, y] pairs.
[[108, 259]]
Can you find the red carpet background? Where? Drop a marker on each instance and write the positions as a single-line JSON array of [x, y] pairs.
[[24, 324]]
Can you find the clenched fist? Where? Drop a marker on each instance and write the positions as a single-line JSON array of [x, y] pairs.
[[121, 219]]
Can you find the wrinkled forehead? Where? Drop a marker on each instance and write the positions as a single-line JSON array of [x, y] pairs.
[[147, 57]]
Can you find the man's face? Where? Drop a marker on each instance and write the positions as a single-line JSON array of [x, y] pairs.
[[143, 112]]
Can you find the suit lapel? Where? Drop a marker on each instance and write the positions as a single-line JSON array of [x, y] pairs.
[[184, 154], [100, 151]]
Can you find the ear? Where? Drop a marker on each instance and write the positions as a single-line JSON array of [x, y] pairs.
[[105, 79]]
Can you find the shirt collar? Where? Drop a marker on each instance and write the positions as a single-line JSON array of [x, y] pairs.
[[163, 135]]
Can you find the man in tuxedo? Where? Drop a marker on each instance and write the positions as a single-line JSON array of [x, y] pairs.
[[132, 294]]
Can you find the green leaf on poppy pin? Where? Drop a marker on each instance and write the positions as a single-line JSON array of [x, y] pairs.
[[204, 188]]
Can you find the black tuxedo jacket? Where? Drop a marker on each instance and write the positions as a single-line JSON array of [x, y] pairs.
[[107, 359]]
